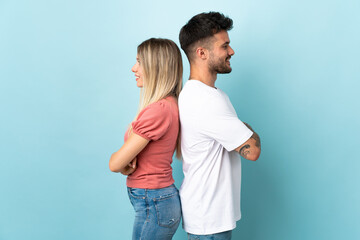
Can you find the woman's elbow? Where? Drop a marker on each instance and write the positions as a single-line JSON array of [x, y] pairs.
[[112, 165], [113, 168]]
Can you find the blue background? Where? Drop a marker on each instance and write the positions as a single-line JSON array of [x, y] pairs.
[[67, 95]]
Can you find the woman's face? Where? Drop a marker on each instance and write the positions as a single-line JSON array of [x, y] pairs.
[[138, 70]]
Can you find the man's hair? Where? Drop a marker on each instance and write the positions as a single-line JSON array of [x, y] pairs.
[[202, 27]]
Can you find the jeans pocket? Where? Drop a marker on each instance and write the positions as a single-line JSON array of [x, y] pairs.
[[135, 195], [168, 210]]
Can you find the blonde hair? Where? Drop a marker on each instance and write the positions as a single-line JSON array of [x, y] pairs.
[[163, 69]]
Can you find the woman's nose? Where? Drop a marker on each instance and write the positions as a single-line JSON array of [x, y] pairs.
[[133, 69]]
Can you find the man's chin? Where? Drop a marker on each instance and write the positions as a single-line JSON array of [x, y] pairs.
[[224, 71]]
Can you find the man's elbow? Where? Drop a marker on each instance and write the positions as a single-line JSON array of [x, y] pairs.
[[254, 155]]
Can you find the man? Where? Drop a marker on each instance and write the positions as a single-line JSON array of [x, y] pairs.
[[212, 136]]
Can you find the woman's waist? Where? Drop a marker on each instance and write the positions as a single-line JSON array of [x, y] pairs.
[[163, 192], [151, 180], [143, 173]]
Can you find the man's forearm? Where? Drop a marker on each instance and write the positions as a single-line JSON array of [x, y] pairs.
[[252, 147], [255, 136]]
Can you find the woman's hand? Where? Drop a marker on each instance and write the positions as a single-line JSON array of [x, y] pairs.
[[130, 168]]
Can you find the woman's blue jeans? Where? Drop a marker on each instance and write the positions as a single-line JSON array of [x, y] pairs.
[[157, 212]]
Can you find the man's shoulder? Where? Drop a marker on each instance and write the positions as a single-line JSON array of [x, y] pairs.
[[194, 89]]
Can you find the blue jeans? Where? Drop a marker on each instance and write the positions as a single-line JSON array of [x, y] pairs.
[[217, 236], [157, 212]]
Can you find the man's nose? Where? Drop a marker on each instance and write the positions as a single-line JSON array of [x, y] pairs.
[[231, 51]]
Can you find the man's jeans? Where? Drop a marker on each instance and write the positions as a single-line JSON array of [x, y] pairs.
[[217, 236], [157, 212]]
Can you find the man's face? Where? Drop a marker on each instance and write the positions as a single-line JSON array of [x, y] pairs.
[[220, 53]]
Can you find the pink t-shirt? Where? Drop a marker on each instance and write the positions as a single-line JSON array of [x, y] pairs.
[[159, 123]]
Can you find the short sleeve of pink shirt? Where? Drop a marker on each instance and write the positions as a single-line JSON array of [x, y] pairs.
[[153, 122]]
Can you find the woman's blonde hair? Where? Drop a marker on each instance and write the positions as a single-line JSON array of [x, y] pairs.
[[163, 69]]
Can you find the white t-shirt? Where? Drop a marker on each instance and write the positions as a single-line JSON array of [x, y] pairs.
[[210, 131]]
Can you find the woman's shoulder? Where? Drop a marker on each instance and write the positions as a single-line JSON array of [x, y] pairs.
[[160, 108], [164, 104]]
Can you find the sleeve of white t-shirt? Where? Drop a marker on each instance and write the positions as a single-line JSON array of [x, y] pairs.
[[222, 124]]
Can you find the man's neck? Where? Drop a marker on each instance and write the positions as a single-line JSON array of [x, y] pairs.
[[205, 77]]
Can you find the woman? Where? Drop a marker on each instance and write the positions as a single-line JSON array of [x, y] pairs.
[[151, 139]]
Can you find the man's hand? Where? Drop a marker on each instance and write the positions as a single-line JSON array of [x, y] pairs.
[[130, 168]]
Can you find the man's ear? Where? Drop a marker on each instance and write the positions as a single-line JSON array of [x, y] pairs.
[[202, 53]]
